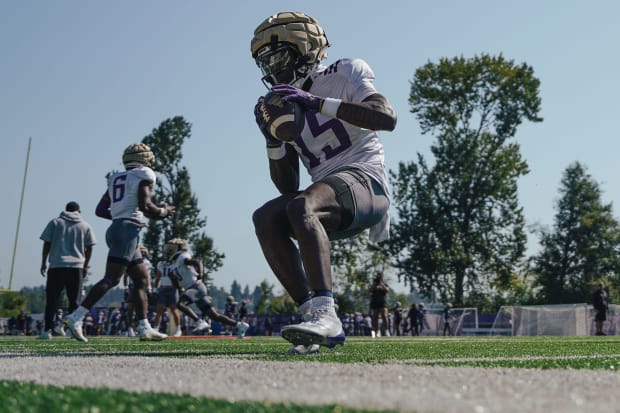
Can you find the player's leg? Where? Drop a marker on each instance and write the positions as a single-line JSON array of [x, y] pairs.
[[114, 271], [274, 236], [139, 274], [339, 206], [53, 290]]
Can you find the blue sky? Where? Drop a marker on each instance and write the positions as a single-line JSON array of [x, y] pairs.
[[85, 79]]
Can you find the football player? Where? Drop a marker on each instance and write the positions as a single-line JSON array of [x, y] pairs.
[[167, 297], [126, 201], [340, 148], [130, 296], [186, 274]]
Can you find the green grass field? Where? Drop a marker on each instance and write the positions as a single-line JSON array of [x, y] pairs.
[[490, 352]]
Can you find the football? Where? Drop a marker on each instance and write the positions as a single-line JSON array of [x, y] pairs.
[[285, 120]]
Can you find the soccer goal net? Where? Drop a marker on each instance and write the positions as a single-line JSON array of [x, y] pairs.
[[458, 319], [544, 320]]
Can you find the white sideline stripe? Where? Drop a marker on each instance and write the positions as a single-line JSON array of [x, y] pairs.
[[516, 358]]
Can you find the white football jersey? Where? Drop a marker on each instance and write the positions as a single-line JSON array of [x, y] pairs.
[[165, 268], [123, 191], [186, 274], [328, 144]]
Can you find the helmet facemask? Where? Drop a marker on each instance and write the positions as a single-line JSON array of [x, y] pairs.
[[280, 63], [287, 47]]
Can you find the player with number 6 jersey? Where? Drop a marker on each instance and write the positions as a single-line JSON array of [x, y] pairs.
[[340, 148], [126, 201]]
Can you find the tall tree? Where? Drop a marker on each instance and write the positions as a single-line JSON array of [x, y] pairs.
[[166, 142], [583, 244], [460, 227], [355, 262], [263, 296]]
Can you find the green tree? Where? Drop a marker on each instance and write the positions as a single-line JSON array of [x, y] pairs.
[[12, 302], [583, 244], [460, 227], [166, 142], [262, 302], [355, 261]]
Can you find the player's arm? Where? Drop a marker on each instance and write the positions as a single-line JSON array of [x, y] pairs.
[[285, 171], [157, 279], [47, 246], [148, 207], [374, 113], [283, 160], [88, 252], [197, 264], [103, 207]]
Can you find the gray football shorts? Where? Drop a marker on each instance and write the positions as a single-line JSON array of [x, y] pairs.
[[363, 201], [197, 291], [167, 296], [123, 239]]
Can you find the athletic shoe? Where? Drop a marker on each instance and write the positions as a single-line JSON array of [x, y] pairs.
[[201, 325], [324, 328], [241, 328], [301, 349], [177, 332], [45, 335], [150, 334], [306, 311], [131, 332], [60, 330], [75, 326]]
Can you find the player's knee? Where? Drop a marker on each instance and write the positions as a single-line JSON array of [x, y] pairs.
[[299, 212], [111, 280], [263, 221]]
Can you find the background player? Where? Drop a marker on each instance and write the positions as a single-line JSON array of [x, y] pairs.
[[167, 296], [126, 202], [339, 147], [186, 273]]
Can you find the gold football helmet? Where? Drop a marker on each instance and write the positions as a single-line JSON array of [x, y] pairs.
[[287, 46], [174, 246], [138, 153]]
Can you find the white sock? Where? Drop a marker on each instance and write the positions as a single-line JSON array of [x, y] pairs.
[[323, 302], [144, 323], [79, 313]]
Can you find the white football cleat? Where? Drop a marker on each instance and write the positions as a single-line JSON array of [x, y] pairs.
[[45, 335], [241, 328], [75, 326], [301, 349], [201, 325], [150, 334], [60, 330], [324, 328], [177, 332]]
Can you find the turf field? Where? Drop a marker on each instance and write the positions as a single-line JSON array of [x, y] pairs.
[[28, 366]]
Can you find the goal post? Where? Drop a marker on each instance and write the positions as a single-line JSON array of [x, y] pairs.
[[545, 320]]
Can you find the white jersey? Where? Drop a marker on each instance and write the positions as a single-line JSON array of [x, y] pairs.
[[328, 144], [186, 274], [164, 268], [123, 190]]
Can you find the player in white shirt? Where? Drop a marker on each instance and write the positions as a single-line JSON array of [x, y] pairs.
[[167, 296], [126, 201], [186, 274], [341, 150]]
